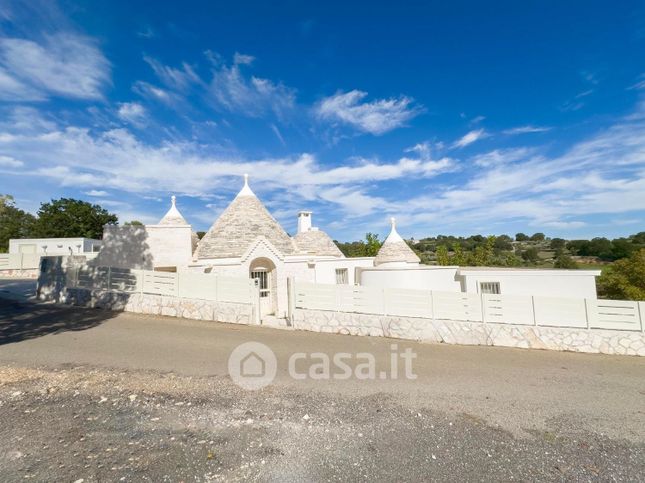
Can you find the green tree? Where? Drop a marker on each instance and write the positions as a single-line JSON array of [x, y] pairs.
[[558, 243], [625, 278], [372, 244], [564, 261], [200, 235], [538, 237], [442, 255], [521, 237], [530, 255], [133, 223], [67, 217], [14, 222], [459, 258]]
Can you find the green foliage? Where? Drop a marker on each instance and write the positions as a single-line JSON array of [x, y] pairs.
[[372, 244], [563, 260], [530, 255], [625, 279], [442, 256], [537, 237], [520, 237], [14, 222], [200, 235], [133, 223], [558, 243], [67, 217], [367, 248]]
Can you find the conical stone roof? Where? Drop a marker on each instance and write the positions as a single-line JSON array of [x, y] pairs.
[[395, 249], [241, 223], [316, 242], [173, 217]]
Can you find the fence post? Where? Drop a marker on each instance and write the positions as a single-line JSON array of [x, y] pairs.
[[432, 305], [587, 314], [483, 307], [533, 307], [109, 278], [291, 298]]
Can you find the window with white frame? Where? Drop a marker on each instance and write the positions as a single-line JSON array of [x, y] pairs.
[[342, 277], [489, 287]]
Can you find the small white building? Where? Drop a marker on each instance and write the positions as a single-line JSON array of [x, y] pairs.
[[54, 246], [397, 266]]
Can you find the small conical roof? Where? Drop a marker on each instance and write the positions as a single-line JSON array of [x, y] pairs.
[[241, 223], [317, 242], [395, 249], [173, 217]]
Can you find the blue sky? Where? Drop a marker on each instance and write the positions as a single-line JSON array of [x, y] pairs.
[[455, 117]]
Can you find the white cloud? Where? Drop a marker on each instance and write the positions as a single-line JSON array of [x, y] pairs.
[[9, 162], [526, 130], [177, 79], [96, 193], [375, 117], [132, 112], [242, 59], [62, 64], [150, 91], [250, 96], [499, 157], [470, 138]]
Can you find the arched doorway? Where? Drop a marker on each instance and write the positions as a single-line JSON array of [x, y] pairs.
[[263, 270]]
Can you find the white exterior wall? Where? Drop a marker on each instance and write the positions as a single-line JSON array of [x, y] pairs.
[[550, 283], [417, 277], [170, 245], [55, 246], [145, 247]]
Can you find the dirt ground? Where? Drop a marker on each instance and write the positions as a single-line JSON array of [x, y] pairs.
[[98, 425]]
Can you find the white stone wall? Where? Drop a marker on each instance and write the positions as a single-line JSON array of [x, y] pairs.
[[17, 273], [161, 305], [472, 333]]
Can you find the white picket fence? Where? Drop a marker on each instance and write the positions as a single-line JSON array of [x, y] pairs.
[[485, 308], [191, 285]]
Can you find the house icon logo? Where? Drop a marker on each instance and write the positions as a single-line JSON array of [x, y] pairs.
[[252, 365]]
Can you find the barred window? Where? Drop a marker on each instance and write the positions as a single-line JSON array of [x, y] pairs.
[[489, 287], [342, 277]]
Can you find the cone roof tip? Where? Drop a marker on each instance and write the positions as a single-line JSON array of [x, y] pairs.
[[246, 189], [173, 216], [394, 236]]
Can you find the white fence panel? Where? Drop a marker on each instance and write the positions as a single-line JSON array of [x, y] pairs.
[[316, 296], [235, 289], [4, 261], [508, 309], [457, 306], [613, 314], [159, 283], [408, 303], [123, 280], [366, 300], [197, 285], [560, 312]]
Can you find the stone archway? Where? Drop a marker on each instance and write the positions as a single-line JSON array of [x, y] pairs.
[[264, 271]]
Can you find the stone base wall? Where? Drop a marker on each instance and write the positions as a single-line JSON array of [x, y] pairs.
[[17, 273], [472, 333], [161, 305]]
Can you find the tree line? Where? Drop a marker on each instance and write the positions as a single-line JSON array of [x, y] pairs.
[[61, 218]]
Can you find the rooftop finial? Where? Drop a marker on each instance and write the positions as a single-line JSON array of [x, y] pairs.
[[246, 190], [393, 223], [173, 199]]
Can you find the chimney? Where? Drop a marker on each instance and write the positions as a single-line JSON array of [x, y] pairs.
[[304, 221]]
